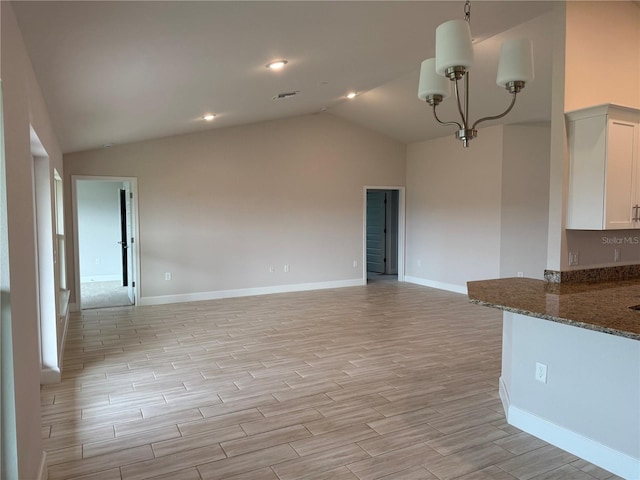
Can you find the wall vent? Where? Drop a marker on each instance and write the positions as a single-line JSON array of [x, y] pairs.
[[282, 96]]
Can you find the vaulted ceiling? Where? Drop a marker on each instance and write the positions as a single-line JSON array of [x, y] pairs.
[[119, 72]]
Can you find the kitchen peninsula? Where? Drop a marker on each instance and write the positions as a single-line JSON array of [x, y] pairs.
[[571, 364]]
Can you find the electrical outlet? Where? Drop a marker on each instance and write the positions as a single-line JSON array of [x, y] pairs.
[[355, 264], [167, 275], [419, 262], [272, 269], [541, 372], [521, 274], [574, 258], [286, 268]]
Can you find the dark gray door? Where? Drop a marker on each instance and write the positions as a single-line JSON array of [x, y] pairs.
[[376, 234]]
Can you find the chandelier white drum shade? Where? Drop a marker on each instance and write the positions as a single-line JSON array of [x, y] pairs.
[[454, 59], [516, 62], [453, 47], [432, 84]]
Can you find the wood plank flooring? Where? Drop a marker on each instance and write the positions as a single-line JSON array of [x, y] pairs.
[[388, 381]]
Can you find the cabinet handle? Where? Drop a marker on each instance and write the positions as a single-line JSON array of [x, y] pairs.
[[635, 213]]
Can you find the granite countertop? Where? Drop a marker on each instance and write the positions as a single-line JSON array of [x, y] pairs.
[[602, 306]]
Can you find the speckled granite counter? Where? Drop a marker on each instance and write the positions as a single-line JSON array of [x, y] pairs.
[[603, 306]]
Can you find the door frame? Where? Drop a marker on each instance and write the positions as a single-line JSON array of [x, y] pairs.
[[124, 236], [129, 224], [401, 228], [76, 242]]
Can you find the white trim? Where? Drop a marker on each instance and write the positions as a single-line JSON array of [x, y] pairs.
[[439, 285], [402, 202], [100, 278], [504, 397], [49, 375], [43, 473], [594, 452], [247, 292], [64, 339]]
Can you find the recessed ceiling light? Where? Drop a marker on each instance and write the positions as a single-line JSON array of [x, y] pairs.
[[351, 95], [276, 65], [208, 117]]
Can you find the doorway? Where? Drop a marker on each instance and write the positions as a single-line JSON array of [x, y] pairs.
[[106, 249], [384, 239]]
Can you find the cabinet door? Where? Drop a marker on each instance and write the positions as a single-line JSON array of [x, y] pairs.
[[587, 178], [620, 197]]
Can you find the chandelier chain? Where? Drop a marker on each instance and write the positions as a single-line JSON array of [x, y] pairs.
[[467, 11]]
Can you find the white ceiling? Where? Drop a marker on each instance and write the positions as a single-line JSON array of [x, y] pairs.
[[119, 72]]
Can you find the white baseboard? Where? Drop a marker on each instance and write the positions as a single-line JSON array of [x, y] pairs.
[[100, 278], [594, 452], [504, 397], [65, 328], [43, 473], [49, 375], [434, 284], [246, 292]]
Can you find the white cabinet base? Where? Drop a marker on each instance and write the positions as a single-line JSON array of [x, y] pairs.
[[590, 403]]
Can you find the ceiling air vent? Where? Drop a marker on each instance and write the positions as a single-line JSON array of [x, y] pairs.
[[282, 96]]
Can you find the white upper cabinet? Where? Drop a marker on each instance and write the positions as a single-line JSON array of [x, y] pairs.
[[604, 178]]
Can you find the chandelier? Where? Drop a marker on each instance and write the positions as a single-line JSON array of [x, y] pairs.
[[453, 60]]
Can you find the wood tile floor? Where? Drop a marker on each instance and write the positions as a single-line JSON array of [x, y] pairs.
[[391, 381]]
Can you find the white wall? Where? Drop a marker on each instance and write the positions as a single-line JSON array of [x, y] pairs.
[[596, 248], [525, 200], [602, 38], [218, 208], [559, 160], [99, 230], [480, 212], [597, 38], [589, 405], [454, 209], [23, 105]]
